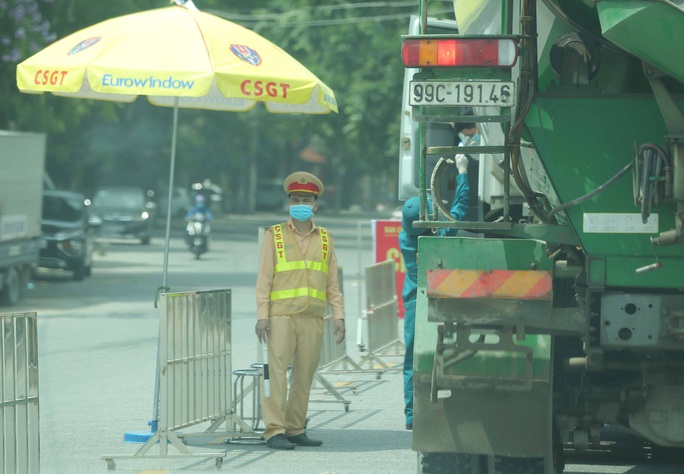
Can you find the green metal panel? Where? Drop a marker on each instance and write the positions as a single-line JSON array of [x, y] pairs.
[[651, 30], [597, 140], [481, 254], [478, 254]]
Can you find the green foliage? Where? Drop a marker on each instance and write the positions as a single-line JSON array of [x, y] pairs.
[[354, 48]]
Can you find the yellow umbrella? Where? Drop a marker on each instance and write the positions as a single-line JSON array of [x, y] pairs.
[[176, 52], [178, 57]]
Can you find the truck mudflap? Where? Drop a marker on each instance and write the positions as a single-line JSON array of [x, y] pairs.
[[481, 392], [482, 385], [487, 422]]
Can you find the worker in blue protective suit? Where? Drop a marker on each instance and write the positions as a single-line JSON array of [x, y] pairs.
[[408, 243]]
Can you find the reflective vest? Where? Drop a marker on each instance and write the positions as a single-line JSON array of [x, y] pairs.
[[299, 281]]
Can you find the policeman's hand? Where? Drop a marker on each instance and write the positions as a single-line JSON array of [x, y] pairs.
[[339, 330], [262, 328], [461, 163]]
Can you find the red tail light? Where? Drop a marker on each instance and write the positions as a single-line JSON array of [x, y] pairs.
[[459, 52]]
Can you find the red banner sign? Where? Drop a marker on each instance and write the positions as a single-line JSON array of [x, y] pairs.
[[385, 247]]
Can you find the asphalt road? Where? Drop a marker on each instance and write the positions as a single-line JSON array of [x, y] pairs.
[[97, 363]]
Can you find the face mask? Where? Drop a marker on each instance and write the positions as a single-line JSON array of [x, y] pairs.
[[301, 212], [463, 137]]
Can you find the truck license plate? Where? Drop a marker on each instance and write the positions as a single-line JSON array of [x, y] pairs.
[[463, 93]]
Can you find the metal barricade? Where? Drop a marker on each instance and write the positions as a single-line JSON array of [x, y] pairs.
[[381, 314], [20, 444], [333, 354], [195, 371]]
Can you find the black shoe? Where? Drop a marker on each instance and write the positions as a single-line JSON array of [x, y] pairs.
[[304, 440], [409, 426], [279, 441]]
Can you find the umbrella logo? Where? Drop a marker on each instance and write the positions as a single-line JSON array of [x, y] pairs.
[[84, 45], [246, 54]]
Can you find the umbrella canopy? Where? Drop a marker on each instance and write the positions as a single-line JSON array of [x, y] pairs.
[[178, 57], [204, 61]]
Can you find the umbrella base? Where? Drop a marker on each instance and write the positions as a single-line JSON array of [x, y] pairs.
[[137, 436]]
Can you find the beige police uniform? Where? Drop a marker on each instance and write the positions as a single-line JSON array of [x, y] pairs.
[[297, 278]]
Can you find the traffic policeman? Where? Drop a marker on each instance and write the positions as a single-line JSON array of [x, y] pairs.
[[297, 279]]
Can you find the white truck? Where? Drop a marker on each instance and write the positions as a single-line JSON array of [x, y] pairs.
[[22, 167]]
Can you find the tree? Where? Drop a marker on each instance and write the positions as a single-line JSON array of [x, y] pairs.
[[353, 47], [356, 51]]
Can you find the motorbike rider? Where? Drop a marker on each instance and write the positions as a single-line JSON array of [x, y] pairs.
[[199, 206]]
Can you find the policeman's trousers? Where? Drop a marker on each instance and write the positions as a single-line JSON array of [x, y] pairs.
[[294, 339]]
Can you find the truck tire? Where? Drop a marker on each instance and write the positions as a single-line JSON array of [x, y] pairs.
[[449, 463], [11, 289]]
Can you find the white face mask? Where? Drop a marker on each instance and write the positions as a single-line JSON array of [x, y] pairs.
[[463, 137]]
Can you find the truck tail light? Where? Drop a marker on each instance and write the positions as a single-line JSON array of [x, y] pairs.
[[459, 52]]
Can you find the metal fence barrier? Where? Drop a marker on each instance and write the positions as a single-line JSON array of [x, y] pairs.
[[195, 372], [334, 360], [332, 353], [20, 443], [381, 314]]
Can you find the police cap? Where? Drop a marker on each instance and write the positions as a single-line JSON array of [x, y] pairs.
[[303, 182]]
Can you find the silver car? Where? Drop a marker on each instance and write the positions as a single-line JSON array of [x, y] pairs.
[[125, 213]]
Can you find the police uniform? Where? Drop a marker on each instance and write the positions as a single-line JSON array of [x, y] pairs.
[[297, 279]]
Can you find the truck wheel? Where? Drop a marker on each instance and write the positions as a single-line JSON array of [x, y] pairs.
[[11, 288], [449, 463]]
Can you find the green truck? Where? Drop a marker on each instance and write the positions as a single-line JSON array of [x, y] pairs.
[[557, 314]]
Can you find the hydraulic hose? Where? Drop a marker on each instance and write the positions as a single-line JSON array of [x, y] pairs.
[[591, 194], [647, 185]]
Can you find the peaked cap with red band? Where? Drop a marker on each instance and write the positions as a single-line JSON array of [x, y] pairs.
[[303, 182]]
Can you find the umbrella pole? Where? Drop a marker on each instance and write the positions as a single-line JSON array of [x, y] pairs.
[[139, 437], [164, 286]]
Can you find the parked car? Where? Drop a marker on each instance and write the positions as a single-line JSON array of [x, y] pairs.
[[125, 213], [68, 237]]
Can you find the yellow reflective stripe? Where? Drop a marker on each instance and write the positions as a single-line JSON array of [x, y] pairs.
[[301, 265], [324, 245], [282, 265], [296, 292], [279, 244]]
